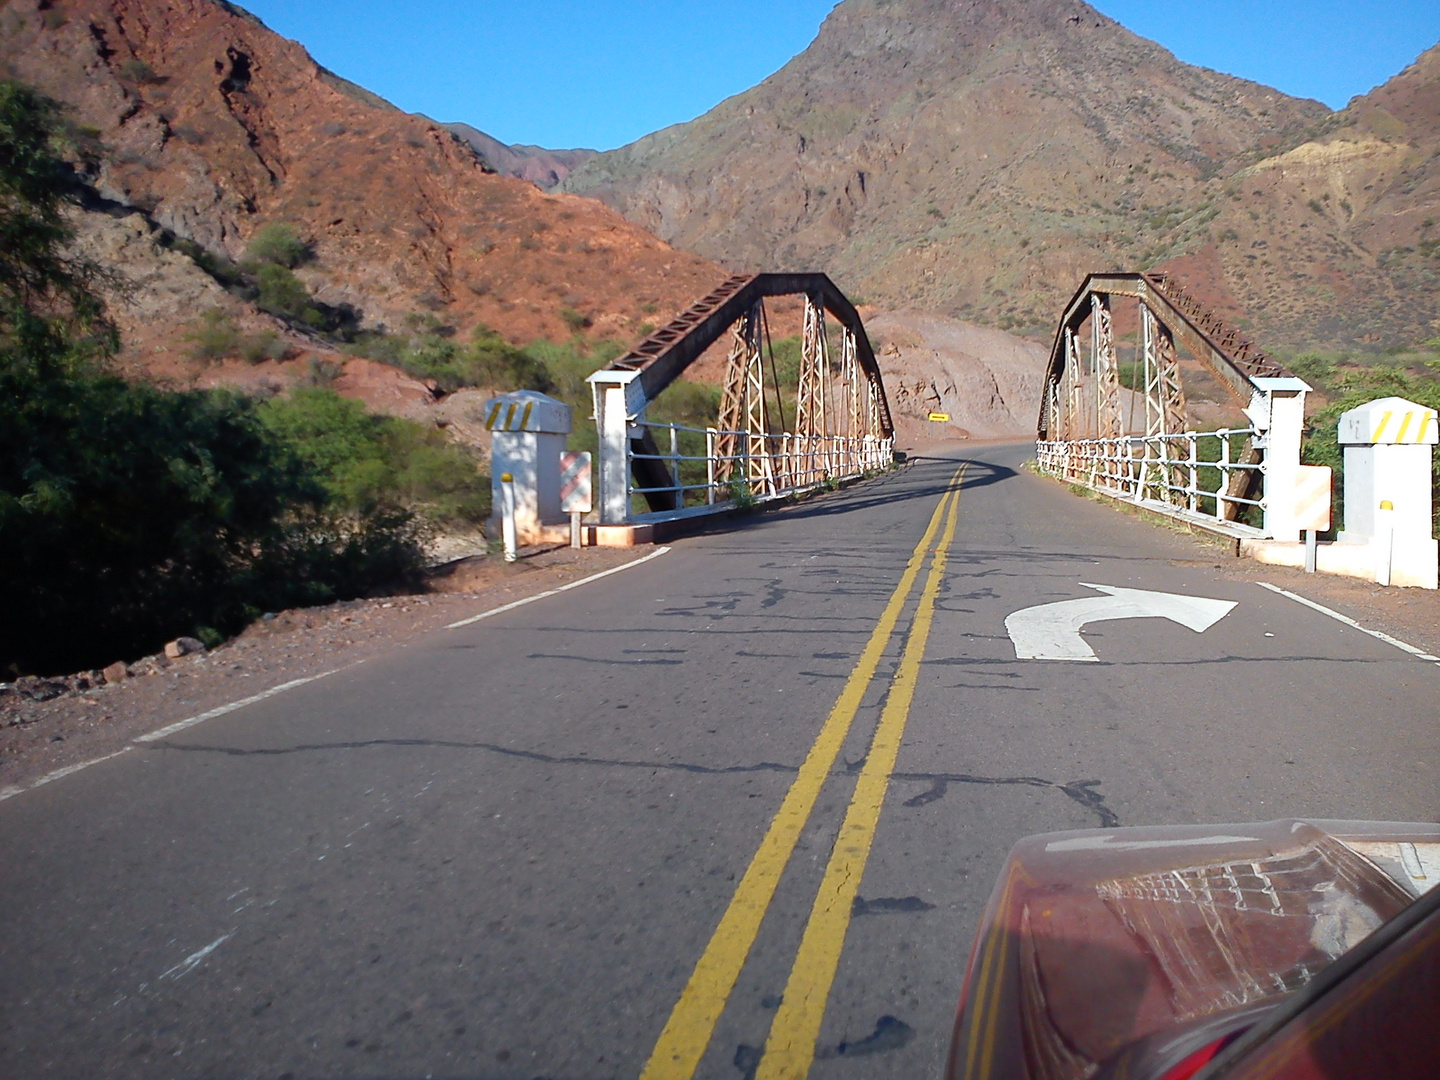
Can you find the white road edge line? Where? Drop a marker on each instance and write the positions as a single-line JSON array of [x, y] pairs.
[[181, 725], [221, 710], [1411, 649], [11, 792], [563, 588]]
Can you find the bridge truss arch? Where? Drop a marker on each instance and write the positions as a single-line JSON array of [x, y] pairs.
[[1131, 428], [841, 418]]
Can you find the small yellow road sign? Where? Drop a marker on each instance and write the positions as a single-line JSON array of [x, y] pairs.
[[940, 417]]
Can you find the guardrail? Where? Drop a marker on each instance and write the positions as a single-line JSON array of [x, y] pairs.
[[1186, 475], [789, 464]]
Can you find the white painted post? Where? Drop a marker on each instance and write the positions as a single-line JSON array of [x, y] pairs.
[[619, 400], [1194, 473], [1223, 463], [1384, 542], [1278, 412], [507, 514], [1388, 448], [675, 467], [710, 434], [527, 437]]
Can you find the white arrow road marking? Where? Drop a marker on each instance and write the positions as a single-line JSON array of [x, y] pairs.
[[1108, 842], [1052, 631]]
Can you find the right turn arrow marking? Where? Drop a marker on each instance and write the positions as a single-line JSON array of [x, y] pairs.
[[1052, 631]]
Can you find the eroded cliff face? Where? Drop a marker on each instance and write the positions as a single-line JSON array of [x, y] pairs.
[[210, 126], [986, 380], [978, 157]]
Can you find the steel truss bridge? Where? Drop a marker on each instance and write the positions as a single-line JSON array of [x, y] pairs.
[[840, 426], [1236, 478]]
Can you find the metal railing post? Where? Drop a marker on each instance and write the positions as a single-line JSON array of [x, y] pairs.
[[710, 434], [675, 467]]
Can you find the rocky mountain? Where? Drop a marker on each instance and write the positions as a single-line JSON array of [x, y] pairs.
[[977, 157], [204, 126], [543, 168]]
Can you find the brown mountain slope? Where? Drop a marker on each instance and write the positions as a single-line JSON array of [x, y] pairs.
[[1336, 239], [976, 157], [212, 125], [543, 168]]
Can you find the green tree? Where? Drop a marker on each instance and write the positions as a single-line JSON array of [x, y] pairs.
[[52, 319]]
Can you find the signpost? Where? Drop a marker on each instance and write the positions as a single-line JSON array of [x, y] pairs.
[[940, 417], [575, 489]]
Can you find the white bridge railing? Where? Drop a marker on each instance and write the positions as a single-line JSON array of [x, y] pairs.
[[1188, 475], [706, 480]]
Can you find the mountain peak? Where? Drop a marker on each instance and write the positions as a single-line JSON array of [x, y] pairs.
[[973, 157]]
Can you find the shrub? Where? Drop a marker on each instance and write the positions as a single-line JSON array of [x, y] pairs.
[[367, 461], [266, 345], [428, 352], [285, 295], [277, 242], [213, 335], [140, 73], [574, 320], [1353, 386]]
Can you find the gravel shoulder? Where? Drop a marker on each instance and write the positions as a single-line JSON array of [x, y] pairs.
[[38, 737]]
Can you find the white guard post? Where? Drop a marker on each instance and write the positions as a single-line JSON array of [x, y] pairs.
[[528, 432], [619, 414], [1278, 412], [1388, 460]]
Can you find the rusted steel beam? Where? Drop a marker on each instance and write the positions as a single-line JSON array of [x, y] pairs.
[[1199, 330], [1107, 370], [662, 356]]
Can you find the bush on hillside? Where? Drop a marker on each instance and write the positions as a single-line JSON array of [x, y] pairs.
[[213, 335], [284, 295], [427, 350], [277, 242]]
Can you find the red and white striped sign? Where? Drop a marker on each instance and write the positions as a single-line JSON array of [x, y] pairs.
[[575, 482], [1312, 497]]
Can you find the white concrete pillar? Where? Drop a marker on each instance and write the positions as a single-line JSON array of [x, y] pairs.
[[528, 432], [1388, 460], [1278, 413], [619, 402]]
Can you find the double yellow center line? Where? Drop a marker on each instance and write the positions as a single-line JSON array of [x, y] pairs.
[[791, 1045]]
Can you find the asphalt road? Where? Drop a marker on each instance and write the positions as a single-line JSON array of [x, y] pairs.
[[505, 852]]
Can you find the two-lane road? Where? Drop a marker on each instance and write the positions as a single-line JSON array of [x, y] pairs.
[[596, 836]]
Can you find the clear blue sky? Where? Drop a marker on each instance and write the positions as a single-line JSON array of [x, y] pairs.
[[601, 73]]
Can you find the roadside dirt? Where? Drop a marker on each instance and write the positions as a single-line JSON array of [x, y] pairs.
[[39, 737]]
